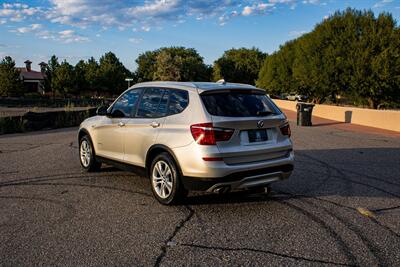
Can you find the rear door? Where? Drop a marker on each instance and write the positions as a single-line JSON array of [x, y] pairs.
[[142, 130], [256, 122]]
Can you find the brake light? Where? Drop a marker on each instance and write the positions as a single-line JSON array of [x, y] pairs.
[[207, 134], [285, 129]]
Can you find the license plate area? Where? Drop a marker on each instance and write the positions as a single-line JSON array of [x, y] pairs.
[[257, 135]]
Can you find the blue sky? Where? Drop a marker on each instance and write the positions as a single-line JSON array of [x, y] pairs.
[[78, 29]]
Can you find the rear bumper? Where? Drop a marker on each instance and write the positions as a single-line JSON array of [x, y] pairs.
[[239, 180], [191, 163]]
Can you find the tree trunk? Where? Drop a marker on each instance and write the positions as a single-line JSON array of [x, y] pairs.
[[372, 103], [317, 100]]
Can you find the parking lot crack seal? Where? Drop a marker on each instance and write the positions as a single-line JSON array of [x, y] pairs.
[[265, 252], [178, 227]]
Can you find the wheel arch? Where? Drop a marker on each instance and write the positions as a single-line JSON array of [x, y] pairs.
[[82, 132], [155, 150]]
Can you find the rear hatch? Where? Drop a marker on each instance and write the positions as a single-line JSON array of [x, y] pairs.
[[255, 120]]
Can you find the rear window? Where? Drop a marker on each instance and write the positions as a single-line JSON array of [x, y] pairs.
[[239, 104]]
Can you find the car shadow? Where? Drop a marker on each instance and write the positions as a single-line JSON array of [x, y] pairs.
[[350, 173]]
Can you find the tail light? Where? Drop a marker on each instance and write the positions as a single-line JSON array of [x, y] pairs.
[[285, 129], [207, 134]]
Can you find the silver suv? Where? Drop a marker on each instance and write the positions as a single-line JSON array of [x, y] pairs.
[[186, 136]]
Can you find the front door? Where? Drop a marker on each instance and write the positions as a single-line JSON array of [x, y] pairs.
[[109, 138], [110, 132]]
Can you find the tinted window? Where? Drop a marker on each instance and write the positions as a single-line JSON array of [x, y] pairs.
[[178, 101], [126, 104], [238, 104], [149, 103], [163, 106]]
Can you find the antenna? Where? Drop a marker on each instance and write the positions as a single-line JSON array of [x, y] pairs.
[[222, 81]]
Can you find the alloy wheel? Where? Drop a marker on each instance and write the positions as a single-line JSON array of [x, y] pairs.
[[86, 153], [162, 179]]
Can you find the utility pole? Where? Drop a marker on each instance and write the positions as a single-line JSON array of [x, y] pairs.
[[129, 81]]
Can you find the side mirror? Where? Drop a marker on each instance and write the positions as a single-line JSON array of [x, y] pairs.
[[102, 111]]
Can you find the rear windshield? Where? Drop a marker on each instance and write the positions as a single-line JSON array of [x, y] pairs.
[[239, 104]]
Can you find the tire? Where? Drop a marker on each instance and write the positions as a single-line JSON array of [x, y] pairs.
[[87, 156], [165, 180]]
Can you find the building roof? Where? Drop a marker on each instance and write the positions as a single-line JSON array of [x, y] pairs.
[[197, 86], [30, 75]]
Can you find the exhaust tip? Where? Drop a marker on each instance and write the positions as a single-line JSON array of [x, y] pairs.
[[222, 189]]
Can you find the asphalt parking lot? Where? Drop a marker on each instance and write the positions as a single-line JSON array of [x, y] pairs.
[[340, 207]]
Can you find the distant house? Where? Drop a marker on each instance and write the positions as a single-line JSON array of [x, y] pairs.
[[33, 80]]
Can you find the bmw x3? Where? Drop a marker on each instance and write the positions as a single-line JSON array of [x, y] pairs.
[[184, 136]]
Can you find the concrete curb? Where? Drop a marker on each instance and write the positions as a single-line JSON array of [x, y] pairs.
[[382, 119]]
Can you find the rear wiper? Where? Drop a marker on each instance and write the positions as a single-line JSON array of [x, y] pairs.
[[264, 113]]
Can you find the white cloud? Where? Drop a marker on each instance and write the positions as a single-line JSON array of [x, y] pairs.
[[17, 12], [295, 34], [146, 14], [28, 29], [36, 26], [146, 28], [135, 40], [263, 8], [69, 36], [65, 36], [247, 10], [143, 15], [46, 35], [313, 2], [382, 3], [154, 9], [282, 1], [129, 14]]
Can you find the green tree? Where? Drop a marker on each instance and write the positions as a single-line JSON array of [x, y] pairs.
[[91, 70], [180, 64], [239, 65], [146, 66], [376, 68], [63, 79], [351, 53], [173, 64], [10, 82], [81, 84], [112, 74], [51, 67]]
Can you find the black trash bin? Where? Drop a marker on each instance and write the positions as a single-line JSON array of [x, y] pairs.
[[304, 113]]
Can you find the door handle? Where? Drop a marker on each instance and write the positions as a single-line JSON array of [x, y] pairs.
[[154, 124], [121, 124]]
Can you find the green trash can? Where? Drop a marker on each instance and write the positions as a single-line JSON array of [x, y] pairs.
[[304, 113]]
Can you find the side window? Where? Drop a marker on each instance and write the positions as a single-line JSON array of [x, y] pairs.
[[163, 107], [126, 104], [178, 101], [148, 106]]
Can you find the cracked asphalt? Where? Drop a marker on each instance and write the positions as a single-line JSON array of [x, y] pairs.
[[340, 207]]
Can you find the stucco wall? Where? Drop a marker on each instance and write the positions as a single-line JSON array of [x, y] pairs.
[[383, 119]]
